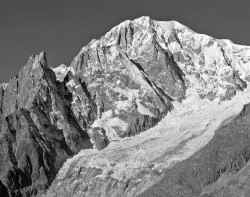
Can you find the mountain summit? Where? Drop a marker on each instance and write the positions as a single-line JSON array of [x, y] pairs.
[[152, 108]]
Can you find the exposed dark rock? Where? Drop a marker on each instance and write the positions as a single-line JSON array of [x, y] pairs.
[[9, 102], [99, 137], [230, 93], [211, 95], [248, 78], [139, 123], [3, 190]]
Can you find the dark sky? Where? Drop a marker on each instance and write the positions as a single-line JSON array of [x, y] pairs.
[[62, 27]]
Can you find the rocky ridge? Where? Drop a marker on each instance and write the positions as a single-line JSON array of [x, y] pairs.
[[117, 87], [38, 129]]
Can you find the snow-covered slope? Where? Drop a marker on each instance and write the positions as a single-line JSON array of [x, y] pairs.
[[162, 78], [210, 64]]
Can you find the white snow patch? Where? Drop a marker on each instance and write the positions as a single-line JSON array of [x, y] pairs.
[[71, 83], [4, 85], [61, 72], [213, 53], [169, 26], [143, 110], [110, 124], [116, 123]]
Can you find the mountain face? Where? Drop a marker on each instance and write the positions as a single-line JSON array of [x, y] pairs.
[[150, 109]]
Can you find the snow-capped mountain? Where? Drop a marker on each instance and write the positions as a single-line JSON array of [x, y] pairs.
[[145, 98]]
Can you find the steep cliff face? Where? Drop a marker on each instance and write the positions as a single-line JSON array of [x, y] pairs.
[[38, 129], [144, 97]]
